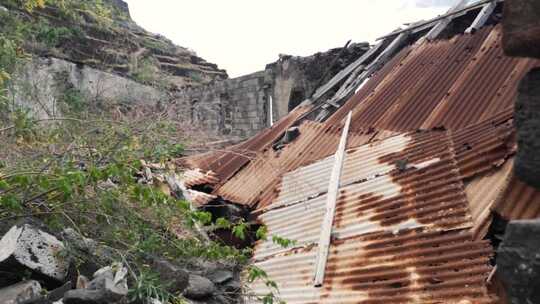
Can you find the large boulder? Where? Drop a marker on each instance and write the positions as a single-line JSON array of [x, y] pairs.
[[27, 247], [199, 288], [108, 286], [175, 278], [21, 293], [521, 28], [527, 117], [518, 261]]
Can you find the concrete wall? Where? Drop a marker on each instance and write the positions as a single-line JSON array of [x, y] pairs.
[[42, 81]]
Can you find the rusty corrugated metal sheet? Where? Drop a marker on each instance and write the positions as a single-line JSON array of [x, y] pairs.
[[196, 177], [482, 193], [383, 209], [451, 83], [388, 201], [412, 266], [363, 163], [257, 181], [482, 147], [519, 201], [229, 162], [198, 198]]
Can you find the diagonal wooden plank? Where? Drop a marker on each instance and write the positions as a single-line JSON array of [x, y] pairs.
[[328, 222]]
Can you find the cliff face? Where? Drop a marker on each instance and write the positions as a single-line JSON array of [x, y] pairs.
[[102, 35]]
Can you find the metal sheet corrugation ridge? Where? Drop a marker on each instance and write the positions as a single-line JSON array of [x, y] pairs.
[[484, 146], [369, 87], [519, 201], [413, 266], [362, 163], [482, 193], [451, 83], [432, 85], [316, 141]]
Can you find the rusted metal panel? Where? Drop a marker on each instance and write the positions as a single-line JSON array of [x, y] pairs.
[[452, 83], [412, 266], [376, 193], [364, 163], [484, 146], [316, 141], [519, 201], [196, 177], [482, 193], [226, 163]]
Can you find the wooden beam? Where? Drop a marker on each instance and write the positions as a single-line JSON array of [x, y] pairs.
[[482, 17], [328, 222], [436, 19], [443, 23], [352, 83]]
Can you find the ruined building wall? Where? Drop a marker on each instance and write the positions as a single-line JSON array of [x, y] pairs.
[[235, 107], [240, 107]]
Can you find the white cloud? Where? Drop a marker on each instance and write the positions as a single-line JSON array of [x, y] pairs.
[[242, 36]]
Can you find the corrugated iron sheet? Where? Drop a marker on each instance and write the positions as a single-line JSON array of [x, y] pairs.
[[482, 193], [196, 177], [519, 201], [412, 266], [397, 233], [229, 162], [482, 147], [451, 83], [257, 181], [364, 163]]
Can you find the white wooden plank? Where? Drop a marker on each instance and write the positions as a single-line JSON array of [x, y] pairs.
[[442, 24], [482, 17], [328, 222]]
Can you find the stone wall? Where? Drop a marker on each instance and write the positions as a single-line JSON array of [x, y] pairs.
[[240, 107], [40, 84], [235, 107]]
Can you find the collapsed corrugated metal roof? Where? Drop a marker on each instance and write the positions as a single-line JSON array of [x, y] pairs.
[[451, 83], [257, 181], [227, 162], [428, 165]]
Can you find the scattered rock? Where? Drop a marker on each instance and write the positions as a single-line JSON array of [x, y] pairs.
[[24, 292], [91, 254], [175, 277], [85, 296], [108, 286], [199, 288], [3, 9], [518, 261], [27, 246], [220, 276], [58, 293]]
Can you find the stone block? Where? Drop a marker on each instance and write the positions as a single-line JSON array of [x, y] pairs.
[[521, 28], [24, 292], [34, 249], [518, 261]]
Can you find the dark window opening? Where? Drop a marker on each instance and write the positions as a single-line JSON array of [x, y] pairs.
[[297, 96]]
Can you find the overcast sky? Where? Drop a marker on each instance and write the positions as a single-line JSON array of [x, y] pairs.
[[242, 36]]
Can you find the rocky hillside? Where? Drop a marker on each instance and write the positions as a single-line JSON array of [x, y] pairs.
[[102, 35]]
